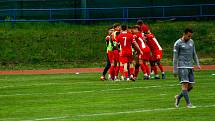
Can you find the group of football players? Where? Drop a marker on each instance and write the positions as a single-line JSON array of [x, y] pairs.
[[131, 48]]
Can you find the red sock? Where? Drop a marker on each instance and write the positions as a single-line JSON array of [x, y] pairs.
[[126, 74], [155, 70], [116, 71], [161, 67], [121, 70], [147, 69], [131, 71], [111, 71], [143, 68], [136, 71]]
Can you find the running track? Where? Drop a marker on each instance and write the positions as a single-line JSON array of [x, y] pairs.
[[80, 70]]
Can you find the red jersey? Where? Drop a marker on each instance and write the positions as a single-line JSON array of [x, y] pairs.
[[144, 28], [125, 39], [153, 43], [140, 41]]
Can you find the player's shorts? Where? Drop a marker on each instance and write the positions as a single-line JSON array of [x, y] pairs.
[[116, 55], [156, 56], [125, 58], [146, 54], [186, 75], [110, 56]]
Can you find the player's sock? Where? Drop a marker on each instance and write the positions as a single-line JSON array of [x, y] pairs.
[[186, 96], [111, 72], [131, 71], [147, 69], [143, 68], [155, 70], [107, 67], [121, 70], [179, 98], [137, 66], [116, 71], [161, 67], [177, 101], [126, 74]]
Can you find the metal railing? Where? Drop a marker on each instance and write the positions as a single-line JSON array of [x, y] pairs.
[[95, 14]]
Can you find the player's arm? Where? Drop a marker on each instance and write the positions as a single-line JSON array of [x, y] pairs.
[[117, 43], [137, 46], [107, 40], [175, 58], [195, 57]]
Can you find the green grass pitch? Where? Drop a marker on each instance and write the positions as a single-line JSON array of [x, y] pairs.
[[83, 97]]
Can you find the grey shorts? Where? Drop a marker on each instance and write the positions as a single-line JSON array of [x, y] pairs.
[[186, 75]]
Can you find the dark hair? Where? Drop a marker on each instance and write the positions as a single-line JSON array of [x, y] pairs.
[[129, 27], [136, 27], [139, 22], [188, 30], [116, 25], [124, 27]]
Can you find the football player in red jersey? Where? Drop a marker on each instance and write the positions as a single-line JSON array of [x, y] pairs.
[[142, 59], [109, 45], [156, 51], [125, 39], [143, 27], [114, 69]]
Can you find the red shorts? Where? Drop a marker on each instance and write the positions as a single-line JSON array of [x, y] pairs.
[[110, 56], [125, 58], [156, 56], [146, 54], [116, 55]]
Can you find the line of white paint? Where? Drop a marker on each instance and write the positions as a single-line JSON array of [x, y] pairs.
[[117, 113], [140, 111], [46, 84], [89, 91], [49, 118]]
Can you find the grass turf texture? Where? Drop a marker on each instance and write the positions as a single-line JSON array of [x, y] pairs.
[[84, 98], [64, 45]]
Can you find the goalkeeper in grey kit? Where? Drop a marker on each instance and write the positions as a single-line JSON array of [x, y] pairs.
[[183, 57]]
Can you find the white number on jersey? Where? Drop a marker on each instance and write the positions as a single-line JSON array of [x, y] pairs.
[[125, 39]]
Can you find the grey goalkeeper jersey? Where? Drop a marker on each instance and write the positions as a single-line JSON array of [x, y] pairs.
[[184, 55]]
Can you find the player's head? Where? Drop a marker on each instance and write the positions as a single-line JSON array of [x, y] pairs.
[[140, 22], [135, 29], [187, 35], [117, 27], [124, 27], [110, 30], [130, 29]]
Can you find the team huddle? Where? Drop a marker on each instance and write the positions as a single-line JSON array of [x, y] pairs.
[[131, 48]]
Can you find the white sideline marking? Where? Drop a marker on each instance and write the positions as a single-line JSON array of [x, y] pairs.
[[89, 91], [115, 113], [141, 111], [45, 84], [49, 118]]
